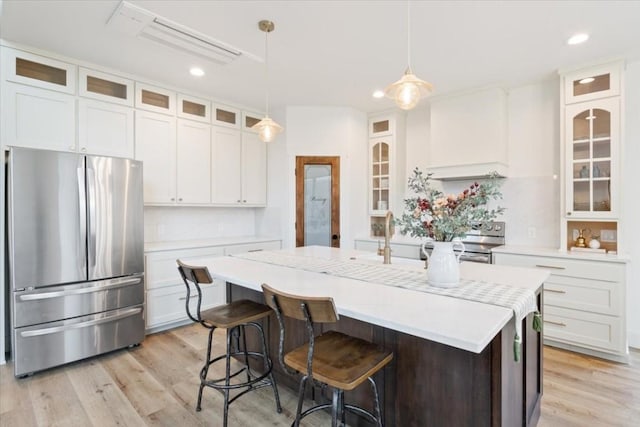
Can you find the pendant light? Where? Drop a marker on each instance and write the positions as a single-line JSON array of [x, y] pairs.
[[409, 89], [267, 128]]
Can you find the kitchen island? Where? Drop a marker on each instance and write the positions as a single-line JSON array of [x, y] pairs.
[[453, 358]]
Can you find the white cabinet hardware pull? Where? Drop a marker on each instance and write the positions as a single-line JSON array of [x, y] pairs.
[[549, 266], [192, 296], [555, 323], [557, 291]]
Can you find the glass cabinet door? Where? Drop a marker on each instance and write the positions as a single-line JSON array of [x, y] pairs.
[[380, 176], [591, 158]]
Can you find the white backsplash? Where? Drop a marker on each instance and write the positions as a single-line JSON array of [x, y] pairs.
[[188, 223], [532, 213]]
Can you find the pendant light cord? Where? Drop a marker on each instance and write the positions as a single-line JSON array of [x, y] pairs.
[[266, 70], [408, 34]]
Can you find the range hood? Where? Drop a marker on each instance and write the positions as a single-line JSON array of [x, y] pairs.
[[469, 135], [136, 21]]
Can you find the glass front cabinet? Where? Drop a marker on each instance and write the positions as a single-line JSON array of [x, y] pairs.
[[592, 146], [592, 143]]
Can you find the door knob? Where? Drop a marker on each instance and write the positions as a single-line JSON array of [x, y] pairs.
[[335, 237]]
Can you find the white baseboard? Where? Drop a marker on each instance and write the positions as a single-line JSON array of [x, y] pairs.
[[634, 339]]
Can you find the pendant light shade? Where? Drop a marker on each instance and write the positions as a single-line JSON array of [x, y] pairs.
[[267, 128], [410, 89]]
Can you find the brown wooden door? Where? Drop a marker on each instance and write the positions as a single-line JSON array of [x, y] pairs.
[[318, 201]]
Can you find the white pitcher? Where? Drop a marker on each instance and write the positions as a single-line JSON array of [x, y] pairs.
[[443, 265]]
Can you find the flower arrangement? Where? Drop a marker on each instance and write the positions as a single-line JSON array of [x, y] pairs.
[[445, 217]]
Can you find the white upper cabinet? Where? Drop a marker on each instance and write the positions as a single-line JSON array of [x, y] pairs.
[[156, 99], [192, 108], [105, 87], [35, 70], [239, 173], [38, 118], [469, 135], [249, 119], [156, 147], [193, 168], [254, 170], [592, 83], [226, 188], [226, 116], [105, 129]]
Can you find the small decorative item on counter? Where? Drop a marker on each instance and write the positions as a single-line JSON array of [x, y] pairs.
[[594, 243], [581, 241], [584, 172]]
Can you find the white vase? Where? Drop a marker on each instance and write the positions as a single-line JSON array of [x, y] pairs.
[[443, 264]]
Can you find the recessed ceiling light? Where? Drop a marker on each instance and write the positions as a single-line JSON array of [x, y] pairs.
[[195, 71], [586, 80], [378, 94], [578, 38]]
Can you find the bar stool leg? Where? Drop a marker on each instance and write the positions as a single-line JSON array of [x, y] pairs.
[[227, 377], [376, 402], [335, 407], [268, 366], [205, 370], [242, 332], [301, 389]]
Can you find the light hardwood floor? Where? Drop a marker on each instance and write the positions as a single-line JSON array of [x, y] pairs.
[[156, 383]]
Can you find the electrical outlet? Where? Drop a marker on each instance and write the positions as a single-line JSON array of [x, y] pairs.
[[575, 233], [608, 235], [531, 232]]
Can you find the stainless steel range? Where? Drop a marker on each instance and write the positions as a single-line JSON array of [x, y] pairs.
[[478, 242]]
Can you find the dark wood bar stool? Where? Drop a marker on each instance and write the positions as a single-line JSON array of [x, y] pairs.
[[233, 317], [332, 359]]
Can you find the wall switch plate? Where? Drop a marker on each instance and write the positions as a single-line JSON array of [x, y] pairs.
[[608, 235]]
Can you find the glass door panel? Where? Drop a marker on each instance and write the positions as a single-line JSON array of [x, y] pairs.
[[380, 178], [581, 150], [581, 126], [317, 205], [601, 120], [601, 196], [581, 196]]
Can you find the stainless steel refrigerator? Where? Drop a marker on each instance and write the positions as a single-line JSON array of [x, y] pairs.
[[76, 256]]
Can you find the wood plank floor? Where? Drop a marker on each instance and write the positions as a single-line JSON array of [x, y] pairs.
[[156, 383]]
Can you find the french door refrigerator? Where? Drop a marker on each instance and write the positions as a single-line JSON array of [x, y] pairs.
[[76, 256]]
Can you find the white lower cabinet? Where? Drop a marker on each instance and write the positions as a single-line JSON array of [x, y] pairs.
[[584, 303], [166, 292]]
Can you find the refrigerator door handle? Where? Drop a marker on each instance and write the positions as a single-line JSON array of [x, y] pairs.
[[82, 208], [55, 329], [91, 218], [56, 294]]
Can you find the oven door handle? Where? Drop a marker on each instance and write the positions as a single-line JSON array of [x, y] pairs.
[[476, 258]]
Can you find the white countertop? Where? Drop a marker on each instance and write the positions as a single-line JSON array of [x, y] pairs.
[[204, 243], [558, 253], [459, 323]]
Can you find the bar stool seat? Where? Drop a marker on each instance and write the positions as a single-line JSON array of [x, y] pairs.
[[331, 359], [234, 317]]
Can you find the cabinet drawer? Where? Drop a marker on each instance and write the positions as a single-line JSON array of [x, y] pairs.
[[596, 331], [167, 304], [596, 270], [161, 269], [252, 247], [584, 294]]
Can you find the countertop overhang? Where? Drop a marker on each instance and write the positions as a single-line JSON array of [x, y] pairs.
[[463, 324]]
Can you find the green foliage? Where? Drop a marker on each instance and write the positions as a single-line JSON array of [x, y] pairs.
[[444, 217]]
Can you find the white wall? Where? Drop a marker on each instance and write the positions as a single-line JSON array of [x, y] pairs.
[[631, 197], [318, 131]]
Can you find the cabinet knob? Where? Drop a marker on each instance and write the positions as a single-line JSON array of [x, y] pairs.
[[180, 199], [244, 201], [83, 149], [173, 200], [239, 201], [72, 148], [568, 213]]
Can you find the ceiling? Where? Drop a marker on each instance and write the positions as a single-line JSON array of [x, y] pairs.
[[336, 53]]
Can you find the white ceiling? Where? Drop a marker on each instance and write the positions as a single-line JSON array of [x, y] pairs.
[[336, 53]]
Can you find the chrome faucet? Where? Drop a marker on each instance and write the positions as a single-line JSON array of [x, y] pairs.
[[388, 234]]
